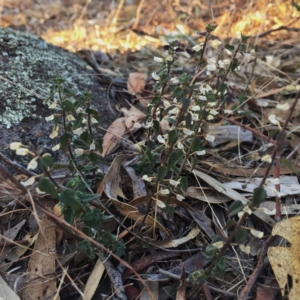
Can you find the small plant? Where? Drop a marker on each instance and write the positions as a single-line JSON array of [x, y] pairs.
[[175, 137], [74, 122]]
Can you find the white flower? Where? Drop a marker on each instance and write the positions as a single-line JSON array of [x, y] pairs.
[[203, 98], [174, 182], [202, 152], [94, 121], [70, 118], [218, 244], [53, 105], [174, 80], [195, 117], [228, 52], [187, 131], [22, 151], [257, 233], [211, 61], [245, 249], [195, 108], [146, 178], [56, 147], [158, 59], [179, 197], [173, 111], [155, 76], [197, 47], [40, 192], [213, 112], [78, 151], [273, 180], [247, 210], [211, 104], [221, 64], [228, 111], [226, 61], [209, 117], [49, 118], [15, 145], [137, 125], [175, 100], [267, 158], [180, 145], [84, 121], [160, 139], [79, 110], [32, 164], [211, 67], [165, 192], [166, 103], [78, 131], [273, 120], [283, 107], [215, 44], [29, 181], [169, 58], [54, 132], [210, 138], [92, 146]]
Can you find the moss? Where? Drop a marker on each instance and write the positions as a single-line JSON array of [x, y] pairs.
[[28, 66]]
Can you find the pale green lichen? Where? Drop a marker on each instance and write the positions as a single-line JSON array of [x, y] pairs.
[[28, 66]]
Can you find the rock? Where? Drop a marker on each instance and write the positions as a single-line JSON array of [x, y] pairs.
[[28, 66]]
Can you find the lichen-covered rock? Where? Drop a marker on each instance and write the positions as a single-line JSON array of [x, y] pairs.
[[28, 66]]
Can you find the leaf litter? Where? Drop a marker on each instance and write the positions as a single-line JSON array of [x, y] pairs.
[[223, 175]]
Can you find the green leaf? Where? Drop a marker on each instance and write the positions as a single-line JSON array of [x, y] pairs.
[[185, 103], [156, 126], [161, 173], [46, 186], [78, 121], [81, 144], [221, 264], [86, 137], [290, 165], [93, 157], [197, 278], [184, 183], [211, 27], [46, 160], [99, 144], [174, 157], [196, 145], [67, 106], [297, 6], [91, 111], [188, 120], [68, 197], [235, 208], [64, 139], [87, 197], [59, 166], [68, 215], [240, 236], [172, 137], [230, 223], [210, 251], [229, 47], [259, 196]]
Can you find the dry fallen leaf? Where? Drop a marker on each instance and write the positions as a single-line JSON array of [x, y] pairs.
[[113, 136], [136, 82], [41, 280], [94, 280], [286, 260], [112, 189]]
